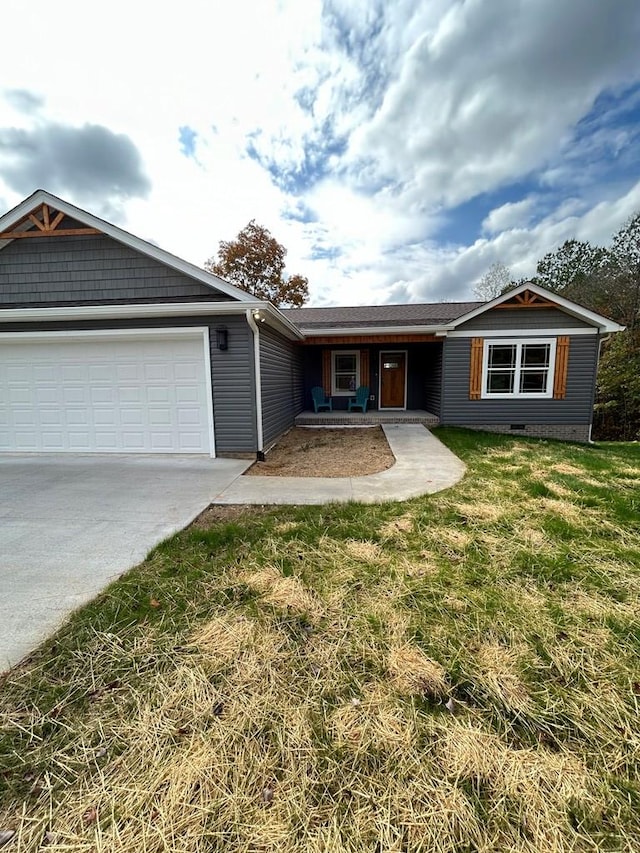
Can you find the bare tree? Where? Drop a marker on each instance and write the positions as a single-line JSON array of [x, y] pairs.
[[495, 281]]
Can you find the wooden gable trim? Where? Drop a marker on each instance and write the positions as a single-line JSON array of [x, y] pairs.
[[475, 369], [44, 226], [562, 367], [527, 299]]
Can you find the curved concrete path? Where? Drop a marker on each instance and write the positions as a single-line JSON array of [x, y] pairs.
[[423, 466]]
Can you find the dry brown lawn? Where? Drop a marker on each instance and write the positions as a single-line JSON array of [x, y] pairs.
[[454, 674]]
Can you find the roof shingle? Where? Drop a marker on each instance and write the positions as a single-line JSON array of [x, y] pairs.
[[418, 314]]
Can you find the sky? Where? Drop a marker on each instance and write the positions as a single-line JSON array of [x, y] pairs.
[[397, 150]]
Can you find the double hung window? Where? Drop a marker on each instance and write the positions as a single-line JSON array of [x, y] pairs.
[[518, 368], [345, 372]]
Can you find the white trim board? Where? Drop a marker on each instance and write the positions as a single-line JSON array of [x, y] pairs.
[[335, 332], [519, 333], [150, 310]]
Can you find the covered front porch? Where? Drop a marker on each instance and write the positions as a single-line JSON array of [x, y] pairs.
[[402, 375], [369, 418]]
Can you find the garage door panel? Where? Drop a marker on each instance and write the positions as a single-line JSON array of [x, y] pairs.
[[105, 395], [76, 417]]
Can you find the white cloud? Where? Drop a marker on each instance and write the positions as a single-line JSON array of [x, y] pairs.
[[490, 92], [377, 118], [509, 215]]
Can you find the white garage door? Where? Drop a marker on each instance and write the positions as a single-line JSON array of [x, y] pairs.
[[122, 393]]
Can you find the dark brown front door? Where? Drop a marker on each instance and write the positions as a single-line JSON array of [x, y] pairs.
[[393, 367]]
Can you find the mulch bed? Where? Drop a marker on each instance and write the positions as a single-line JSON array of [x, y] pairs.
[[327, 452]]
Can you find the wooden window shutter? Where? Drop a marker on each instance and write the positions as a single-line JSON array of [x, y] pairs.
[[326, 371], [562, 364], [475, 369], [364, 367]]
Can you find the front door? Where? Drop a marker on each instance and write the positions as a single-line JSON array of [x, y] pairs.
[[393, 367]]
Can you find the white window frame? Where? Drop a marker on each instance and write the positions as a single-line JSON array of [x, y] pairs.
[[334, 391], [516, 393]]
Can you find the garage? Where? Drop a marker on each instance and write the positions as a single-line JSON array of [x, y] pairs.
[[109, 391]]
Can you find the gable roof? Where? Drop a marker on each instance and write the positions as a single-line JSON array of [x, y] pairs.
[[40, 197], [377, 316], [604, 324]]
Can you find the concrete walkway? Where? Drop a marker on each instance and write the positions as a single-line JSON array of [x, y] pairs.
[[423, 466]]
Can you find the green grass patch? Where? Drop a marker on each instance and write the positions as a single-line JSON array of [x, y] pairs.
[[454, 673]]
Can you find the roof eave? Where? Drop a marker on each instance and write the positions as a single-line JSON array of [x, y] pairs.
[[333, 331]]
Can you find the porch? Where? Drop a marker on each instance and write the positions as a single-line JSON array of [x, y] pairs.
[[371, 418]]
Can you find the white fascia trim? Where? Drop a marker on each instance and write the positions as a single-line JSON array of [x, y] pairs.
[[520, 333], [136, 243], [119, 312], [603, 323], [375, 330], [149, 310]]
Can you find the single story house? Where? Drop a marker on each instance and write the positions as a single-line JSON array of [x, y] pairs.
[[109, 344]]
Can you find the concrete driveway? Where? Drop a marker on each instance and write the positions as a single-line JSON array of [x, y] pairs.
[[70, 524]]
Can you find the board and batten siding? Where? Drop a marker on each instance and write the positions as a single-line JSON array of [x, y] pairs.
[[83, 270], [282, 380], [575, 408], [232, 371]]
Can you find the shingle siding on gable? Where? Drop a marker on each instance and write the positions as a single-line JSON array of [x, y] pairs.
[[282, 383], [53, 271], [523, 318], [576, 407]]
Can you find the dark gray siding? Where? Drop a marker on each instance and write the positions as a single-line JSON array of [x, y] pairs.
[[433, 379], [89, 269], [233, 377], [282, 383], [523, 318], [577, 407], [234, 395]]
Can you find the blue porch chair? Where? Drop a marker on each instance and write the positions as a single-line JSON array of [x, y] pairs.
[[360, 400], [319, 399]]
